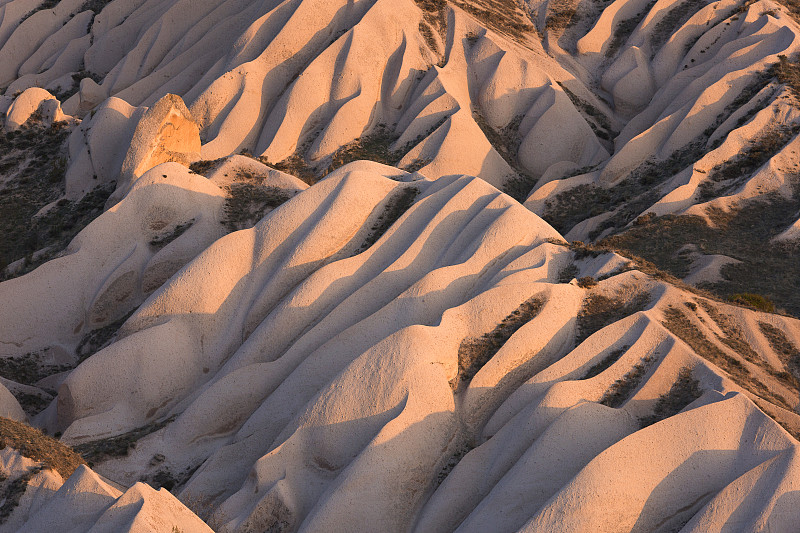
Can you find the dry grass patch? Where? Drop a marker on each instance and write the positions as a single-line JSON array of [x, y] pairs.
[[561, 15], [597, 120], [753, 301], [32, 166], [787, 352], [247, 203], [788, 72], [598, 311], [677, 17], [398, 204], [474, 353], [766, 269], [622, 389], [681, 326], [506, 143], [612, 357], [683, 392], [100, 450], [507, 17], [205, 166], [725, 178], [32, 443], [433, 21], [629, 198]]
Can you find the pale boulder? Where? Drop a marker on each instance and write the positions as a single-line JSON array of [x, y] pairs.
[[166, 132], [28, 103]]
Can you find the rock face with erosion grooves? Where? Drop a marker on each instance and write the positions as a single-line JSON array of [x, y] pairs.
[[304, 266]]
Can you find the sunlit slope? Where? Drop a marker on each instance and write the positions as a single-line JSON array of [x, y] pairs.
[[301, 266]]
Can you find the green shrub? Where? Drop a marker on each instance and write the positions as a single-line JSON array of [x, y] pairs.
[[756, 301]]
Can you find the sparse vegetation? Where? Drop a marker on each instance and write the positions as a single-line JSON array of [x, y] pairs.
[[28, 369], [32, 443], [97, 451], [205, 166], [596, 119], [246, 204], [673, 20], [32, 163], [417, 164], [745, 234], [619, 391], [786, 351], [587, 282], [33, 404], [508, 17], [625, 28], [295, 165], [47, 236], [95, 6], [788, 72], [598, 311], [732, 334], [454, 459], [165, 478], [641, 187], [97, 339], [568, 208], [372, 147], [683, 392], [13, 491], [77, 77], [161, 241], [561, 17], [612, 357], [46, 4], [568, 273], [627, 199], [473, 354], [583, 250], [680, 325], [755, 301], [730, 175], [399, 203], [434, 22], [506, 143]]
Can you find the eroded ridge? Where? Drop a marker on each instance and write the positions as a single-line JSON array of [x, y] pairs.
[[284, 267]]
